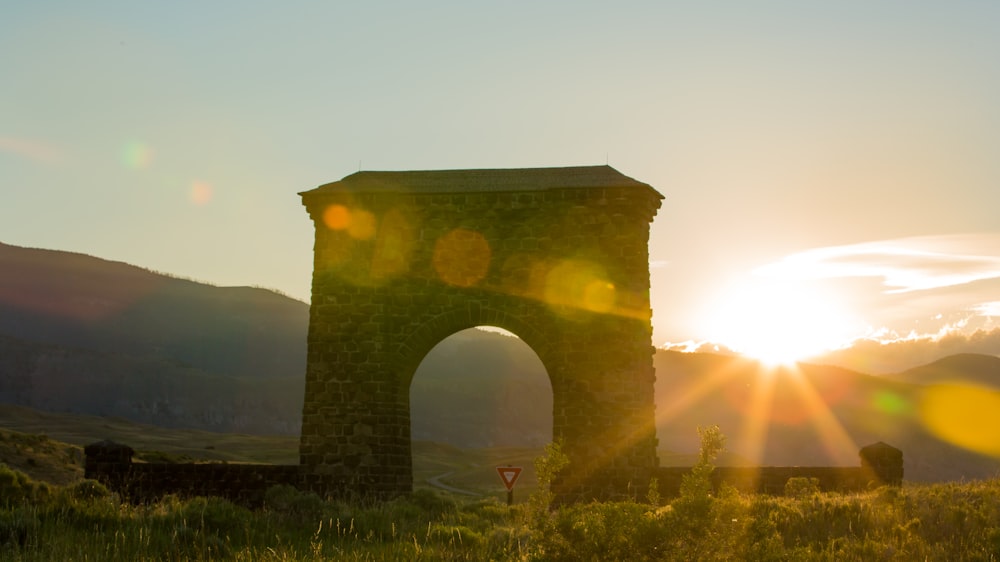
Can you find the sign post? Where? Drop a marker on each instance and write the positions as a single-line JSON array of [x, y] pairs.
[[509, 476]]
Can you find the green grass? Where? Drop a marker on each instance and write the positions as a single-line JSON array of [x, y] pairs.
[[83, 430], [85, 522], [471, 470], [41, 519]]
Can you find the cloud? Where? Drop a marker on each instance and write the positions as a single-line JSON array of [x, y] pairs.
[[691, 346], [989, 309], [903, 265], [922, 298], [884, 352], [882, 356]]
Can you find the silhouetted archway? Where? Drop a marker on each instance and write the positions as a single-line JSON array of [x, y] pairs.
[[557, 256], [481, 388], [480, 398]]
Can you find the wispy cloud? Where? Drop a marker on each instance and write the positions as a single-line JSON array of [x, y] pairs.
[[990, 309], [904, 265], [33, 150]]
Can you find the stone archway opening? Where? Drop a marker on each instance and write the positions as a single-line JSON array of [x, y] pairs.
[[480, 398]]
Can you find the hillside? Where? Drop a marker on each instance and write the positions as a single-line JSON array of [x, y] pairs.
[[965, 367], [82, 302], [808, 415], [91, 336], [88, 336]]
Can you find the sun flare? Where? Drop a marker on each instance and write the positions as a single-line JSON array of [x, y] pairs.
[[778, 322]]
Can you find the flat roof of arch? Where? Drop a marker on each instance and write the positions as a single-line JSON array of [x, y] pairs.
[[482, 180]]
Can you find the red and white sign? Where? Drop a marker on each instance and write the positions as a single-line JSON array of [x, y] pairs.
[[509, 475]]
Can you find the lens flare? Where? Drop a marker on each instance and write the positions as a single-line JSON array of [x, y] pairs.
[[201, 193], [580, 285], [965, 415], [394, 245], [599, 296], [336, 217], [137, 155], [891, 403], [358, 223], [462, 257]]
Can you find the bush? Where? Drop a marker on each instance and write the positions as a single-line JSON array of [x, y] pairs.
[[801, 487], [87, 490], [214, 515], [432, 503], [17, 487], [288, 499]]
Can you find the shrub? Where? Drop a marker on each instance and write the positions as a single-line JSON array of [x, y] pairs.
[[17, 487], [87, 490], [547, 467], [695, 500], [432, 503], [801, 487], [214, 515], [288, 499]]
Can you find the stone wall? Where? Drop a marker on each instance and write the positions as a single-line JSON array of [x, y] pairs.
[[881, 464], [772, 479], [111, 464]]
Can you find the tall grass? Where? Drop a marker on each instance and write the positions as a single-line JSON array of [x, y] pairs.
[[85, 521]]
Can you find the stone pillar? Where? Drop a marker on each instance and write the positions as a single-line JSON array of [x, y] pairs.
[[109, 463], [884, 462]]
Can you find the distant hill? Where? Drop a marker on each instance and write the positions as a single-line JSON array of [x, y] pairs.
[[808, 415], [482, 389], [89, 336], [86, 335], [82, 302], [966, 367]]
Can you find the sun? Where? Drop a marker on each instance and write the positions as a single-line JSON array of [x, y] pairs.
[[778, 321]]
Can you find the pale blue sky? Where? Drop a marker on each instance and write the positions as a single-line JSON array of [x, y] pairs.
[[176, 135]]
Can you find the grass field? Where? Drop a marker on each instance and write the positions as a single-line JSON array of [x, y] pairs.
[[473, 471], [83, 521]]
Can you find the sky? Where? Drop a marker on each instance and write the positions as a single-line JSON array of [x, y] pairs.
[[830, 170]]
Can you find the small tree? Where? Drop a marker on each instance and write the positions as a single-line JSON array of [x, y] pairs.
[[547, 467], [696, 486]]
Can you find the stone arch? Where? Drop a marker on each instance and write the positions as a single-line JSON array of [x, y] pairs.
[[557, 256], [412, 351], [499, 393]]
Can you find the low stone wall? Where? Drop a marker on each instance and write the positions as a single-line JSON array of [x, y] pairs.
[[771, 479], [111, 464], [881, 464]]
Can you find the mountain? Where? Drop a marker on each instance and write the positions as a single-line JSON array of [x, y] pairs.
[[89, 336], [481, 389], [965, 367], [78, 301], [145, 389], [806, 415]]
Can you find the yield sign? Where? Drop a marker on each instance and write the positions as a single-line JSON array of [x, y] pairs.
[[509, 475]]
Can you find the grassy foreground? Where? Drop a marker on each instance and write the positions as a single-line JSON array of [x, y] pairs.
[[83, 521]]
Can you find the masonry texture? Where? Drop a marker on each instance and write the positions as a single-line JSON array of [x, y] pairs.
[[402, 260], [111, 464]]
